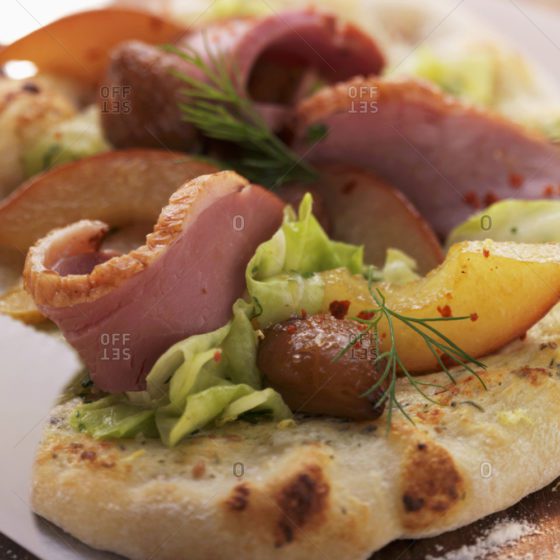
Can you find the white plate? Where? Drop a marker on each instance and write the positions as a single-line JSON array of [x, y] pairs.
[[35, 366]]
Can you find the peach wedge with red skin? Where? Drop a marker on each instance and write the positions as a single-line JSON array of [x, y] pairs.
[[78, 46], [502, 289], [366, 210], [121, 188]]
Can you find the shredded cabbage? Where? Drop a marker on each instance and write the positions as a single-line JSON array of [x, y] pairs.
[[524, 221], [204, 378], [399, 268], [282, 276], [471, 78], [66, 141], [487, 75]]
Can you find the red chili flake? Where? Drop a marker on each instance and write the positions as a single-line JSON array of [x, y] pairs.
[[548, 191], [303, 314], [516, 180], [292, 329], [198, 470], [339, 309], [444, 311], [490, 198], [366, 315], [486, 253], [474, 317], [217, 356], [472, 199], [448, 361], [88, 455]]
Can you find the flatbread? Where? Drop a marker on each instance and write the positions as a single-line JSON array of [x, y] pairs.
[[319, 488]]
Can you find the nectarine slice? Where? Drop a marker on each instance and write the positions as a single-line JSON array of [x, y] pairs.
[[365, 210], [503, 288], [18, 304], [78, 46], [120, 188]]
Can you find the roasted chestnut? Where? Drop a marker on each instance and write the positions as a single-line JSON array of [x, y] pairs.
[[298, 358]]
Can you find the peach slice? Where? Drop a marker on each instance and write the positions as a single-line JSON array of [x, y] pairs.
[[363, 209], [503, 288], [18, 304], [14, 300], [120, 188], [78, 46]]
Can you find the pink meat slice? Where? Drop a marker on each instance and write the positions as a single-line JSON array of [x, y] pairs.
[[126, 311], [140, 76], [338, 50], [449, 159]]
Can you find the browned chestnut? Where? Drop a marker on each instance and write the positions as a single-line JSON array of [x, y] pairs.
[[297, 358]]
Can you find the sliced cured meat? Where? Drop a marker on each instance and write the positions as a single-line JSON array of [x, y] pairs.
[[447, 157], [125, 312], [272, 58], [337, 50]]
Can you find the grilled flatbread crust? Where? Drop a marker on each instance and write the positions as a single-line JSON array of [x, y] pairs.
[[320, 488]]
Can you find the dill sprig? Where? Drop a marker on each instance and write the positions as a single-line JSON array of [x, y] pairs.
[[435, 340], [217, 107]]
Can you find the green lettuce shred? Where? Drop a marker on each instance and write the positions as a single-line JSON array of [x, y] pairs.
[[489, 76], [471, 78], [204, 378], [67, 141], [282, 276], [525, 221], [399, 268], [225, 9], [109, 417]]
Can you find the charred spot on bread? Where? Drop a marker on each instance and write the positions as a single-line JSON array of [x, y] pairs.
[[239, 499], [303, 499], [535, 376], [431, 485]]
